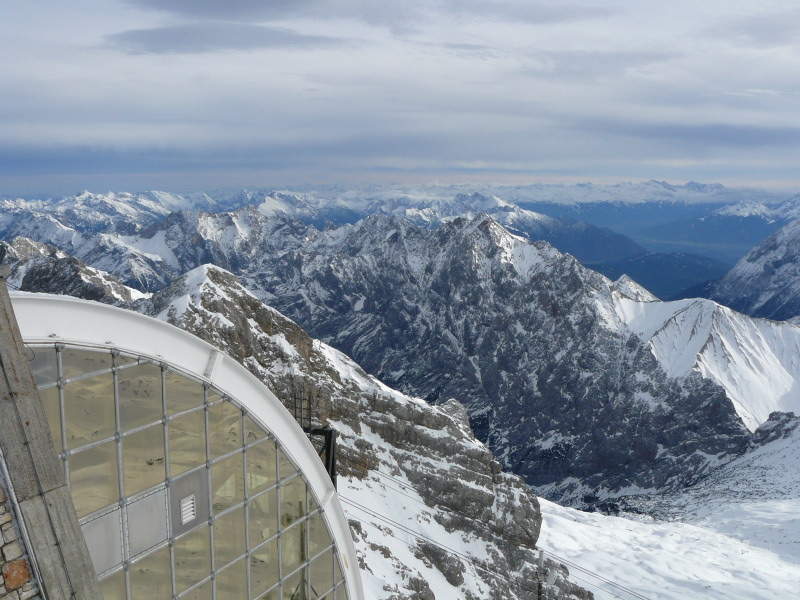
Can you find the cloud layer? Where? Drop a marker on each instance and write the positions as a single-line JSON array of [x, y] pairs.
[[197, 93]]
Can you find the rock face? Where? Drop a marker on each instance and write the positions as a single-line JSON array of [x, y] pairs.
[[766, 282], [39, 267], [524, 336]]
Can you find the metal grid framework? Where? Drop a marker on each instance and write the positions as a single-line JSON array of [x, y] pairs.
[[181, 494]]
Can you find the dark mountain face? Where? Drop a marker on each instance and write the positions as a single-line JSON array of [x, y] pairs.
[[520, 334], [766, 282]]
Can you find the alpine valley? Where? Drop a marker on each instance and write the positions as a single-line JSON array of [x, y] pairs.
[[491, 367]]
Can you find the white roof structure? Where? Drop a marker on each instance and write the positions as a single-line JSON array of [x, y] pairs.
[[60, 325]]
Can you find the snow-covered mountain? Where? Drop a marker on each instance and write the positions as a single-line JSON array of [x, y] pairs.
[[516, 331], [584, 241], [733, 535], [766, 282], [693, 549], [432, 514], [756, 361]]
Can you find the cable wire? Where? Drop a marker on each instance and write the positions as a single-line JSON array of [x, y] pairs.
[[461, 555], [487, 529]]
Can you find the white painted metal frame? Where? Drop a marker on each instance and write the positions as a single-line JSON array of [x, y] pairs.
[[45, 318]]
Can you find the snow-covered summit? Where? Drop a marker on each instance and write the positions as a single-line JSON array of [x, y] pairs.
[[756, 361]]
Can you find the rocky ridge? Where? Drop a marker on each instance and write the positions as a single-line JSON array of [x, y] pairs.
[[524, 336]]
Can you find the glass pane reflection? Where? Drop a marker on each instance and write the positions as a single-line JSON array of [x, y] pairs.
[[182, 393], [293, 500], [93, 479], [321, 574], [89, 409], [294, 588], [227, 481], [192, 558], [225, 428], [232, 582], [52, 409], [229, 541], [293, 548], [75, 363], [151, 578], [261, 466], [143, 459], [264, 571], [187, 442], [139, 390], [43, 365], [263, 517], [113, 588]]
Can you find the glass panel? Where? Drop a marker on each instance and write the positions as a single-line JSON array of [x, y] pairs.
[[113, 588], [43, 364], [212, 395], [225, 428], [321, 574], [232, 582], [254, 431], [261, 467], [264, 570], [227, 482], [89, 410], [139, 390], [261, 472], [192, 558], [294, 588], [318, 536], [151, 578], [80, 362], [293, 500], [285, 467], [229, 542], [143, 459], [293, 548], [263, 517], [187, 442], [94, 478], [201, 593], [182, 393], [53, 411]]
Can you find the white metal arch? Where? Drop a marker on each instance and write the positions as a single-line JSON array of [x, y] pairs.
[[45, 318]]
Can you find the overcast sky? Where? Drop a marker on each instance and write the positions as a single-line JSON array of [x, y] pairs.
[[196, 94]]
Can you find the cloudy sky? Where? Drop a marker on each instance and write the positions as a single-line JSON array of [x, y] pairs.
[[197, 94]]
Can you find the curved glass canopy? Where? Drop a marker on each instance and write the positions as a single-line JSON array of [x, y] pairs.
[[181, 491]]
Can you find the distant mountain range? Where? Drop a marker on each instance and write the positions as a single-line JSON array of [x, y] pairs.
[[456, 311], [592, 390]]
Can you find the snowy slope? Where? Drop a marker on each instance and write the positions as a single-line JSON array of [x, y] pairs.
[[756, 361], [736, 534], [668, 560]]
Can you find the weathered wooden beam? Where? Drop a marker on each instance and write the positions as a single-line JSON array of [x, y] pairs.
[[36, 473]]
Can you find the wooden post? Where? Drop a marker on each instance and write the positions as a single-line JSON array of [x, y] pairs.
[[37, 476]]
